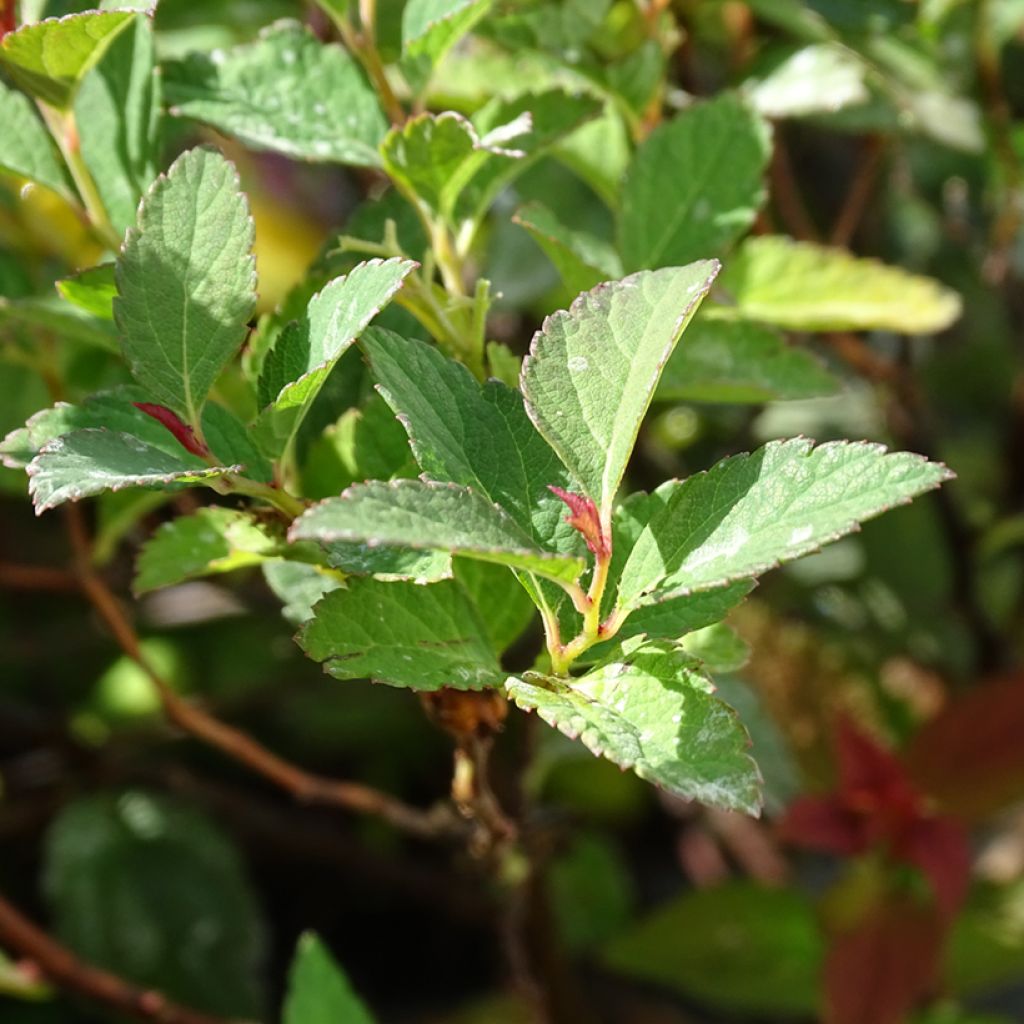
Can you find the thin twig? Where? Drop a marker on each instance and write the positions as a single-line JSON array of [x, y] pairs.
[[36, 577], [60, 966], [786, 193], [236, 744], [858, 196]]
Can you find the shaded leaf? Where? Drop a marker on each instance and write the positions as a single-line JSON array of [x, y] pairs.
[[307, 350], [118, 111], [156, 892], [504, 606], [738, 361], [738, 947], [186, 281], [285, 92], [652, 710], [430, 28], [431, 516], [405, 634], [592, 371], [91, 290], [809, 287], [319, 991], [695, 185], [299, 587], [28, 150]]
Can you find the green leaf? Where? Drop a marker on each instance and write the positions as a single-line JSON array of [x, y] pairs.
[[28, 149], [118, 112], [404, 634], [750, 513], [505, 607], [226, 437], [739, 361], [581, 259], [432, 516], [591, 371], [695, 185], [91, 290], [719, 646], [543, 119], [430, 28], [387, 563], [49, 314], [319, 991], [809, 287], [307, 350], [739, 947], [50, 58], [820, 78], [473, 434], [652, 710], [432, 157], [286, 92], [156, 892], [299, 587], [186, 281], [212, 540], [88, 462]]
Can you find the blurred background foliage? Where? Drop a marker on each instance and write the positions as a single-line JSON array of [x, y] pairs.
[[899, 133]]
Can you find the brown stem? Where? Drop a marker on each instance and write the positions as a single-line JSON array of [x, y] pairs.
[[233, 742], [36, 577], [786, 193], [859, 194], [65, 970]]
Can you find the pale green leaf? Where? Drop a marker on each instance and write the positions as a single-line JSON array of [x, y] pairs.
[[695, 185], [50, 58], [307, 350], [432, 157], [299, 587], [186, 281], [87, 462], [478, 435], [286, 92], [752, 512], [719, 646], [725, 360], [432, 516], [319, 991], [741, 947], [809, 287], [117, 111], [592, 371], [27, 149], [212, 540], [652, 710], [91, 290], [430, 28], [819, 78], [581, 259], [405, 634]]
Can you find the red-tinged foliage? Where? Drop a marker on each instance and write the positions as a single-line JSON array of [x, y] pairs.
[[876, 806], [878, 970], [7, 16], [586, 519], [970, 757], [181, 430]]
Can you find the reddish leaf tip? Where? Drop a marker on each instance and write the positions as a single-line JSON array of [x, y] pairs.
[[584, 518], [184, 434]]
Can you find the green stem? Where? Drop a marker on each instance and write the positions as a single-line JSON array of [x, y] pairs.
[[284, 502], [65, 133]]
